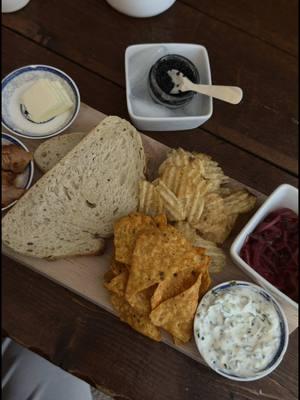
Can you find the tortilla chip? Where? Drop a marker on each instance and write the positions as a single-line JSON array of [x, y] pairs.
[[176, 284], [117, 267], [160, 220], [118, 284], [137, 320], [177, 341], [158, 254], [205, 284], [125, 233], [176, 314], [108, 276], [141, 301]]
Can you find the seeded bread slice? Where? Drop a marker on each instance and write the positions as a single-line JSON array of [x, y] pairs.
[[75, 204], [53, 150]]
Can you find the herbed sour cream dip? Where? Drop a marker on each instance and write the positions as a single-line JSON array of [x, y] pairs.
[[237, 330]]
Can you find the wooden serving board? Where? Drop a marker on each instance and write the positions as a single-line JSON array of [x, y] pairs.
[[84, 275]]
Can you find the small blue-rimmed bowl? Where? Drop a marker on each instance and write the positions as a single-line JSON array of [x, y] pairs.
[[14, 117], [284, 334], [24, 178]]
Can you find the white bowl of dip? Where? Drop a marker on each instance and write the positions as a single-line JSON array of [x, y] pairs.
[[241, 331]]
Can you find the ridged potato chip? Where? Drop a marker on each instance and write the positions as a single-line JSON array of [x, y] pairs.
[[211, 169], [213, 216], [177, 157], [173, 205], [188, 231], [189, 186], [172, 177], [157, 255], [218, 257], [137, 320], [176, 314], [195, 207], [150, 202], [239, 202]]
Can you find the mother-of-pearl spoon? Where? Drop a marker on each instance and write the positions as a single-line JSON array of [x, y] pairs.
[[230, 94]]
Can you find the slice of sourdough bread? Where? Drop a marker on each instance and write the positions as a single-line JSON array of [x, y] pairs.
[[75, 204], [53, 150]]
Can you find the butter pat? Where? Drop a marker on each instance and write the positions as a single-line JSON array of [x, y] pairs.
[[46, 99]]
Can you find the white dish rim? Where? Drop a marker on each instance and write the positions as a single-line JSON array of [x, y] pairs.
[[154, 119], [286, 337], [246, 230], [45, 136]]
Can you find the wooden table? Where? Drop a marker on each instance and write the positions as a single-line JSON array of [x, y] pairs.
[[252, 44]]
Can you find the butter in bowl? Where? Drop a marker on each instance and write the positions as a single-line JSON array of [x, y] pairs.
[[39, 101]]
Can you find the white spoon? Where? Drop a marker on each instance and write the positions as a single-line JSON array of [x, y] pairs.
[[230, 94]]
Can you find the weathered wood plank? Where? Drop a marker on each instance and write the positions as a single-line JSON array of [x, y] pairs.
[[110, 99], [272, 21], [96, 36], [88, 342]]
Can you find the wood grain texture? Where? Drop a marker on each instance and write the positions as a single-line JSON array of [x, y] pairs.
[[72, 332], [274, 22], [96, 36], [85, 275], [90, 343], [110, 99]]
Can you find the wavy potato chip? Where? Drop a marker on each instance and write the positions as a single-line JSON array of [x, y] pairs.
[[137, 320], [218, 257], [157, 255], [176, 314], [173, 205], [213, 222], [172, 177], [177, 157], [150, 202], [125, 234], [188, 231], [216, 232], [212, 171], [239, 202], [195, 208]]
